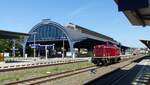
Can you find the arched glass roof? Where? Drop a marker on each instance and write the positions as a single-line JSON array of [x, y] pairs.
[[47, 32]]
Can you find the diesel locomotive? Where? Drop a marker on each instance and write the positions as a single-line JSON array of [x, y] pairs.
[[106, 54]]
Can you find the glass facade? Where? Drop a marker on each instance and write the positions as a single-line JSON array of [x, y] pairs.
[[46, 32]]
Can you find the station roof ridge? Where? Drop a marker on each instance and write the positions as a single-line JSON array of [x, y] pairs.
[[5, 34], [2, 30], [86, 33]]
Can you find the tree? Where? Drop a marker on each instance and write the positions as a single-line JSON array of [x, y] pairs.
[[7, 44]]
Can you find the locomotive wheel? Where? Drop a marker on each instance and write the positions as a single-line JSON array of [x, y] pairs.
[[98, 64], [108, 61], [105, 62]]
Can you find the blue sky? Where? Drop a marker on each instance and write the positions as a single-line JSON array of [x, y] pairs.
[[96, 15]]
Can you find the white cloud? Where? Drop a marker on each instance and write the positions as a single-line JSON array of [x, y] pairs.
[[79, 11]]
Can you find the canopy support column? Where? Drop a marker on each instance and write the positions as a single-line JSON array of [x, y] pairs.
[[72, 50]]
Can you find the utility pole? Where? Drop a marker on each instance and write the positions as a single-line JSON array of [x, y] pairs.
[[63, 48], [14, 45], [46, 51]]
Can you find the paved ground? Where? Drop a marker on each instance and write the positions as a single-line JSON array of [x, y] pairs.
[[134, 74], [126, 80], [139, 75]]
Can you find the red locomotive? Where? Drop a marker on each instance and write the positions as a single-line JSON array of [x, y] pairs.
[[105, 54]]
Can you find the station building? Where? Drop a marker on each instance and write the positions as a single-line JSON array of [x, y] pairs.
[[71, 40]]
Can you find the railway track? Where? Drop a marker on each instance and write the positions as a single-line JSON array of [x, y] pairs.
[[38, 66], [47, 78], [38, 80], [42, 79], [46, 65]]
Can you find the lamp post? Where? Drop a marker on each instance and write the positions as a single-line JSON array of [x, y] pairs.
[[34, 36]]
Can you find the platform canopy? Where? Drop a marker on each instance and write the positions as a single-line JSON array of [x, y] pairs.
[[11, 35], [146, 43], [137, 11]]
